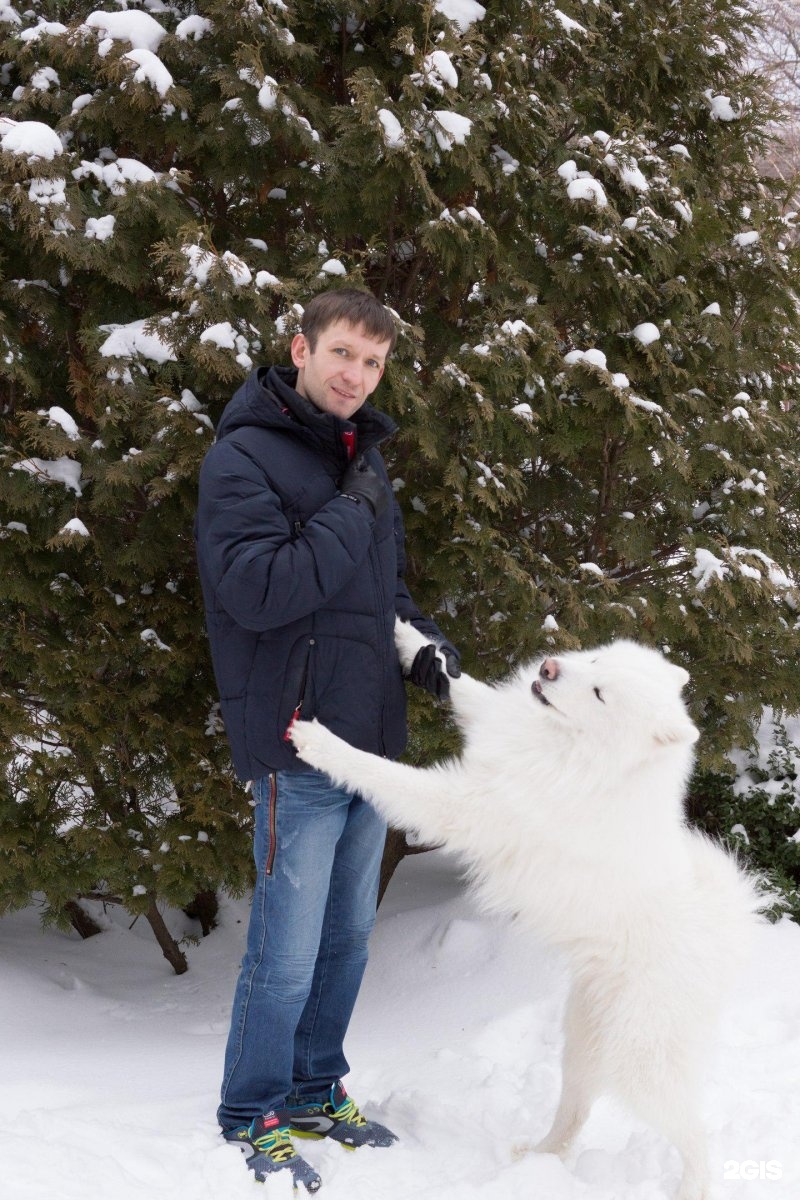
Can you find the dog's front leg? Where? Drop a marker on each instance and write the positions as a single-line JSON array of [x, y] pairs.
[[408, 797], [468, 697]]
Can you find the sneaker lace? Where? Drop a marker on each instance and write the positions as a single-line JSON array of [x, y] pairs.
[[277, 1144], [349, 1111]]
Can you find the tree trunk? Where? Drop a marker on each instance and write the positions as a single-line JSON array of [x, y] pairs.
[[169, 947], [204, 908], [396, 849], [80, 919]]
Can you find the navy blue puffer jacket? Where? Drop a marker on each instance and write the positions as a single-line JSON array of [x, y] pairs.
[[300, 585]]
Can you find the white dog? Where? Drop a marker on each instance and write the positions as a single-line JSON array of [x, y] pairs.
[[566, 803]]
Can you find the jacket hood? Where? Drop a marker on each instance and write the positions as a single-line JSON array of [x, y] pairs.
[[267, 399]]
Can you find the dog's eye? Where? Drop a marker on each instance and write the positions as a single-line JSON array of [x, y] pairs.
[[597, 693]]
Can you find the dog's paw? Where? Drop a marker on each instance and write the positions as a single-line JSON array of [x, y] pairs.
[[315, 744], [409, 641]]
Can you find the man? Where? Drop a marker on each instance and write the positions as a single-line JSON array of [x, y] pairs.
[[300, 548]]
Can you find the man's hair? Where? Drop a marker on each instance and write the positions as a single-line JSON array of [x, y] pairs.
[[356, 307]]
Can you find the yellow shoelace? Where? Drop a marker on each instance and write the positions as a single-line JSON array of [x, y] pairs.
[[348, 1111], [276, 1144]]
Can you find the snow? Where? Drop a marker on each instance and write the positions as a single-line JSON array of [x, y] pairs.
[[59, 416], [581, 185], [193, 27], [463, 13], [76, 527], [450, 128], [454, 1043], [721, 108], [567, 23], [707, 567], [647, 405], [595, 358], [268, 93], [151, 70], [628, 172], [139, 28], [34, 139], [393, 134], [116, 174], [585, 187], [130, 341], [438, 69], [646, 333], [225, 337], [43, 78], [747, 239], [51, 28], [60, 470], [100, 229], [8, 14], [333, 266], [151, 638], [47, 191], [201, 261]]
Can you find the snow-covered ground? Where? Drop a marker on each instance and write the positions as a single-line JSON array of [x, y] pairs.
[[109, 1067]]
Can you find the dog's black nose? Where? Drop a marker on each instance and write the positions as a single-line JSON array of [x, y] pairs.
[[550, 669]]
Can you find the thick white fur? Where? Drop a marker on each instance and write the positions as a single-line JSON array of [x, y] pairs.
[[570, 816]]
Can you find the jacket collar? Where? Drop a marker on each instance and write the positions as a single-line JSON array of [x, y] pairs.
[[366, 428]]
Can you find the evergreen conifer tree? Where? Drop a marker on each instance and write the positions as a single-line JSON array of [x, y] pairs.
[[594, 379]]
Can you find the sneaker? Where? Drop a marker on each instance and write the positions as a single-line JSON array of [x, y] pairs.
[[268, 1138], [338, 1118]]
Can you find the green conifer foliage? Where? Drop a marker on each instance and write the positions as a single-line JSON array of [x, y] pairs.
[[595, 377]]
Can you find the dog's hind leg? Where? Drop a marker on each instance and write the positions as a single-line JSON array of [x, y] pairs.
[[663, 1091], [675, 1116], [690, 1140], [581, 1081]]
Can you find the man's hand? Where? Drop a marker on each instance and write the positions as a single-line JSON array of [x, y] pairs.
[[426, 670], [362, 483]]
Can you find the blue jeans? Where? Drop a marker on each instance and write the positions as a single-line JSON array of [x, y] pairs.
[[318, 851]]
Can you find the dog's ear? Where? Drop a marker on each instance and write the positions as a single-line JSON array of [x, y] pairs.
[[674, 728], [682, 676]]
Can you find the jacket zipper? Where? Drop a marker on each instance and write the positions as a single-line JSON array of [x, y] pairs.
[[378, 590], [303, 684], [273, 804]]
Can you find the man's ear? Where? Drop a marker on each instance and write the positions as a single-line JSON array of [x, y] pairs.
[[300, 350]]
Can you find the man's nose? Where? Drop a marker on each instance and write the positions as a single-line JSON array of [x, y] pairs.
[[353, 372], [550, 669]]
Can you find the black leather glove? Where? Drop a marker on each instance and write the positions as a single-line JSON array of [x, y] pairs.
[[426, 670], [362, 482]]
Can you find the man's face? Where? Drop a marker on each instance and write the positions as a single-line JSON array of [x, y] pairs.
[[344, 368]]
